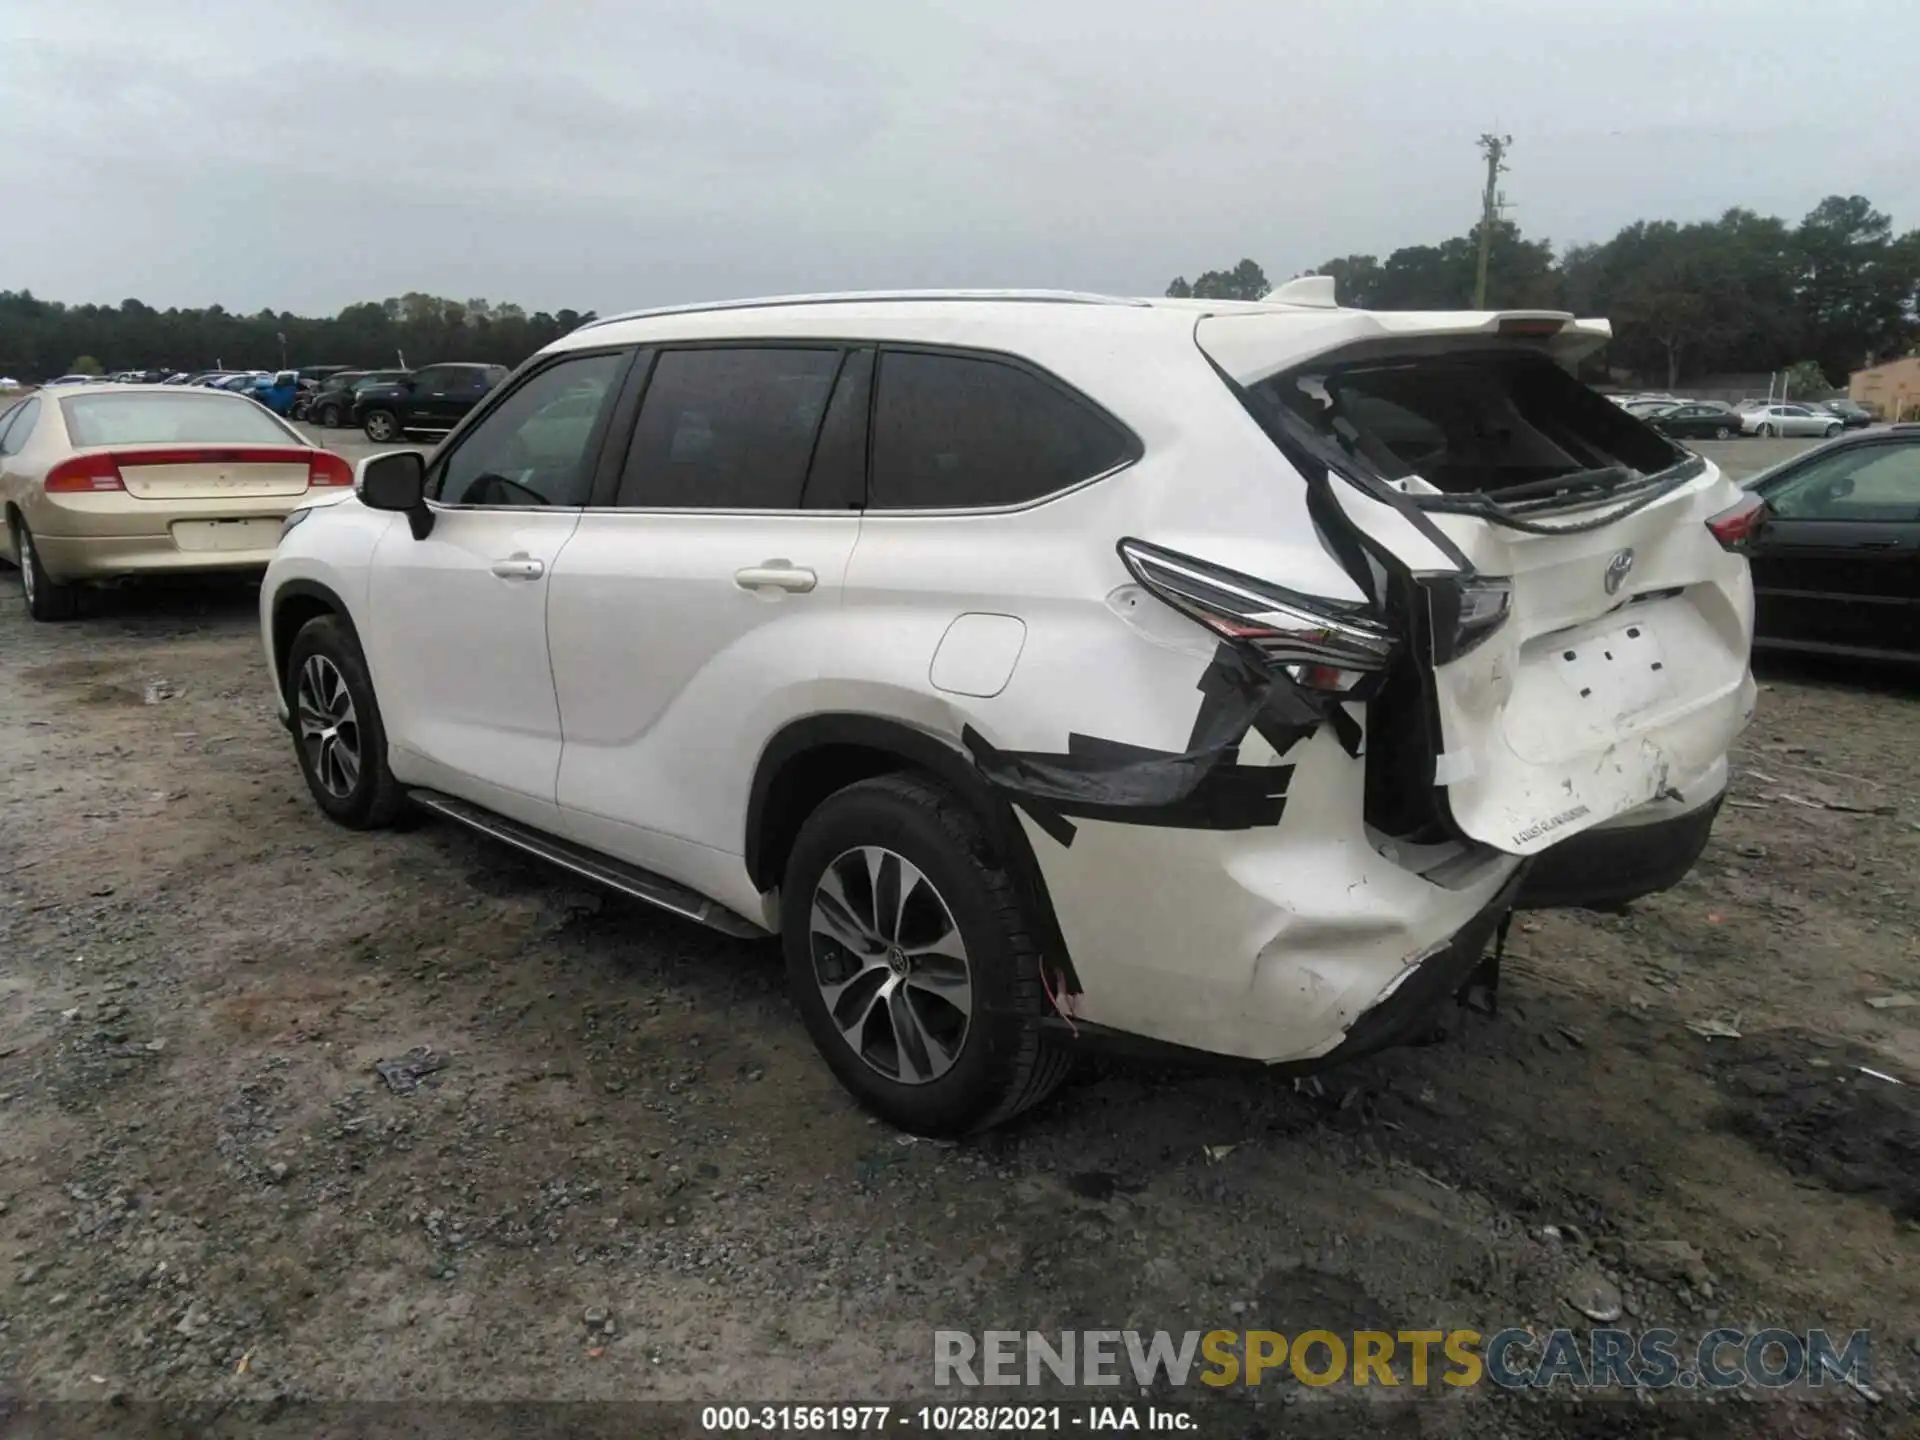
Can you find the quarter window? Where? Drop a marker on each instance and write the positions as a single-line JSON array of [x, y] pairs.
[[957, 431], [728, 428], [536, 447]]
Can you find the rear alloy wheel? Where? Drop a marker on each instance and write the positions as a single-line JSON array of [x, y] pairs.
[[1767, 432], [382, 426], [1833, 430], [909, 956], [1721, 432], [337, 732], [47, 598], [329, 417]]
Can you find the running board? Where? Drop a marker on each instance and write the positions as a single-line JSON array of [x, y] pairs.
[[588, 864]]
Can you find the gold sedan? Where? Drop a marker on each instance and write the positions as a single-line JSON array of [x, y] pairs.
[[102, 482]]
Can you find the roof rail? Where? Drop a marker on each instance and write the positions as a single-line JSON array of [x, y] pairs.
[[859, 297]]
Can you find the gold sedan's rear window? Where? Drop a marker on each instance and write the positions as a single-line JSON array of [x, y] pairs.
[[170, 417]]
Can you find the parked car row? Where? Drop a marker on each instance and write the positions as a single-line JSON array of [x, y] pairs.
[[1715, 420], [389, 405]]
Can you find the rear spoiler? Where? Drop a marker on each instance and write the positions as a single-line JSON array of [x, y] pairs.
[[1243, 341], [1567, 337]]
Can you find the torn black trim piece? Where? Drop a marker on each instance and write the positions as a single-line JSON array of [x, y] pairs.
[[1203, 787]]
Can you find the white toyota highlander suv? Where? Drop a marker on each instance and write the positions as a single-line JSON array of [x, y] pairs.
[[1042, 668]]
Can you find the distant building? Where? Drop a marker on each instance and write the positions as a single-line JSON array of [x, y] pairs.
[[1891, 390]]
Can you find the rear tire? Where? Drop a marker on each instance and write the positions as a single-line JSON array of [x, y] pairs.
[[1833, 430], [944, 1000], [1722, 433], [382, 427], [329, 417], [337, 732], [1767, 432], [47, 599]]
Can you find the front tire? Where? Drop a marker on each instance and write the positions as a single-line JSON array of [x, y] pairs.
[[1767, 432], [382, 426], [329, 417], [1833, 430], [1722, 433], [47, 599], [912, 962], [337, 733]]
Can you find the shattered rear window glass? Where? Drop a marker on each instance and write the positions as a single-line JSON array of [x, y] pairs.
[[1469, 423]]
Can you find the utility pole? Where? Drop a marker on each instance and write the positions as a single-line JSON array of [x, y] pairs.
[[1492, 202]]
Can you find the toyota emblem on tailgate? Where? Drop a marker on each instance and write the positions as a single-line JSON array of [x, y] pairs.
[[1617, 570]]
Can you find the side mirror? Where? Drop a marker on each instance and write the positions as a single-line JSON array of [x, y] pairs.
[[397, 482]]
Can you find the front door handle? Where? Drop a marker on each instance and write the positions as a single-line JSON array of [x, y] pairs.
[[776, 575], [520, 567]]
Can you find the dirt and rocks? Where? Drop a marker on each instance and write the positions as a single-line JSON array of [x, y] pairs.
[[289, 1112]]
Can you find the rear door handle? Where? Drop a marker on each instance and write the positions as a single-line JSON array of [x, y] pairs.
[[776, 575], [520, 567]]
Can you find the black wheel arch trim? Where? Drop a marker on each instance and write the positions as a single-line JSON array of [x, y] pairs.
[[283, 637], [917, 749]]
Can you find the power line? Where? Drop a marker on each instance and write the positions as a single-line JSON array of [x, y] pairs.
[[1492, 202]]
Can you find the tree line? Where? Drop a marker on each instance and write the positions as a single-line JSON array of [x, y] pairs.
[[1741, 294], [1745, 293], [43, 338]]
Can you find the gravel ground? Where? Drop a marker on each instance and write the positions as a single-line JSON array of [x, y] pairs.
[[208, 1194]]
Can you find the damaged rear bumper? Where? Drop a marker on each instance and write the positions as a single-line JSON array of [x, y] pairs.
[[1606, 867], [1406, 1013]]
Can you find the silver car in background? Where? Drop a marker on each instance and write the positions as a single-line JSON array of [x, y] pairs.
[[1790, 420]]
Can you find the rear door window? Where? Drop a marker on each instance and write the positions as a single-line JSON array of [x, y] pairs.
[[969, 432], [728, 428]]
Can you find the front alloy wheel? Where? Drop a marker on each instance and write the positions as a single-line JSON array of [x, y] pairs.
[[329, 727], [891, 965], [381, 426], [337, 733]]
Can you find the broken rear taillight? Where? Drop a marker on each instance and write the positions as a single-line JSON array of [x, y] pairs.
[[1466, 609], [1738, 523], [1327, 645]]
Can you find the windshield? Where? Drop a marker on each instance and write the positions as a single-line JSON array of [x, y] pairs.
[[167, 418]]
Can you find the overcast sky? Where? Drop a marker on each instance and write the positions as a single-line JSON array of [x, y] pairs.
[[604, 155]]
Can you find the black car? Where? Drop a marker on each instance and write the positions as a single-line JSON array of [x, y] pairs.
[[1854, 417], [1697, 420], [432, 400], [1836, 553], [332, 402]]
